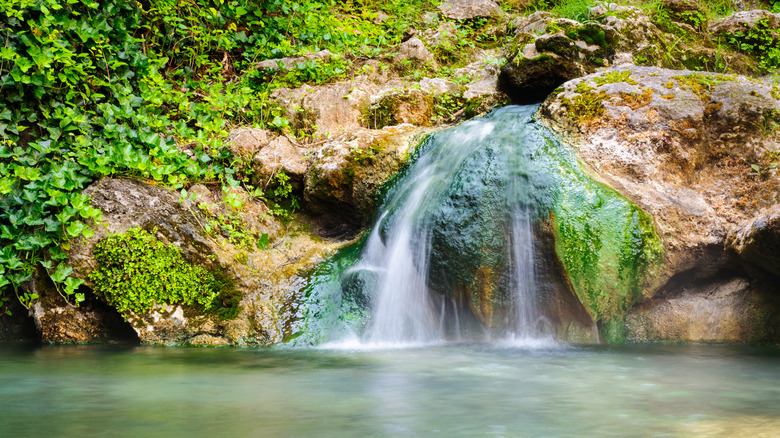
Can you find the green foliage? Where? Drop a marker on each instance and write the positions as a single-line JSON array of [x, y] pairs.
[[578, 10], [761, 41], [136, 271], [90, 89]]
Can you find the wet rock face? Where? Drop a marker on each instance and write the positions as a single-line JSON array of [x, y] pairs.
[[347, 173], [265, 281]]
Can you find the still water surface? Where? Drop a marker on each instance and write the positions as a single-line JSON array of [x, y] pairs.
[[445, 390]]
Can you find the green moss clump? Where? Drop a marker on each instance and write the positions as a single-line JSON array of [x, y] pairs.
[[136, 271], [701, 84], [613, 77]]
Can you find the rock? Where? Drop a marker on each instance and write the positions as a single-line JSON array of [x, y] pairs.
[[757, 241], [290, 63], [347, 172], [328, 111], [280, 154], [744, 22], [541, 63], [468, 9], [265, 281], [414, 50], [678, 144], [246, 142], [734, 311]]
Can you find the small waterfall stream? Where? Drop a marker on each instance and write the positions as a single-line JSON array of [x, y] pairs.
[[482, 162]]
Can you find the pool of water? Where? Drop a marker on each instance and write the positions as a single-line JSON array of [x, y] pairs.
[[440, 390]]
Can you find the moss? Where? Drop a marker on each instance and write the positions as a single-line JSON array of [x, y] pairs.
[[701, 84], [590, 33], [607, 245], [586, 105], [135, 271], [613, 331], [636, 100], [613, 77]]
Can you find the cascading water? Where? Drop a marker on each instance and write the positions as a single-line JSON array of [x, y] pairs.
[[414, 298], [494, 224]]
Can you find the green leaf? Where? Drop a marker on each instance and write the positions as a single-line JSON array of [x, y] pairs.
[[62, 272]]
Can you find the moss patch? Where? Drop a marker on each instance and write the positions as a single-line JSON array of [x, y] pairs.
[[136, 271], [607, 245]]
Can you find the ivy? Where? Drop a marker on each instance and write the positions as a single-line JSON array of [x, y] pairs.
[[148, 89]]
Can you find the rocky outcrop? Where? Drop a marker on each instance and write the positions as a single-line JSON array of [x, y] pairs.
[[757, 241], [548, 51], [347, 173], [265, 281], [680, 145]]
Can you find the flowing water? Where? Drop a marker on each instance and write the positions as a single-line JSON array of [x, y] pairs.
[[452, 390], [430, 232]]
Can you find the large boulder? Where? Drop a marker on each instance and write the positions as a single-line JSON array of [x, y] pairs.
[[680, 145], [261, 284]]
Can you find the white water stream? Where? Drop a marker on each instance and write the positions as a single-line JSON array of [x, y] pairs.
[[404, 311]]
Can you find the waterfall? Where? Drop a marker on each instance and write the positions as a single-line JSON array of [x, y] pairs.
[[415, 293]]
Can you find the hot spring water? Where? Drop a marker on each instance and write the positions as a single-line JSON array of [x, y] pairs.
[[405, 272]]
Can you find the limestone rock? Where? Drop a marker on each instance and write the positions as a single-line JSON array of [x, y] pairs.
[[757, 241], [468, 9], [727, 311], [678, 144], [744, 22], [266, 280], [280, 154], [246, 142], [547, 55], [348, 171], [414, 50]]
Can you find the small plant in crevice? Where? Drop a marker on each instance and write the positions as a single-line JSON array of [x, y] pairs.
[[136, 271]]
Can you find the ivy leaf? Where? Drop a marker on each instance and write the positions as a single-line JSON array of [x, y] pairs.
[[75, 229], [62, 272]]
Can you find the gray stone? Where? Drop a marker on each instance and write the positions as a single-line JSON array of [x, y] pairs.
[[468, 9], [290, 63]]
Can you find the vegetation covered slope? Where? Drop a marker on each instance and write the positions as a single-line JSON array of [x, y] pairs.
[[150, 90]]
